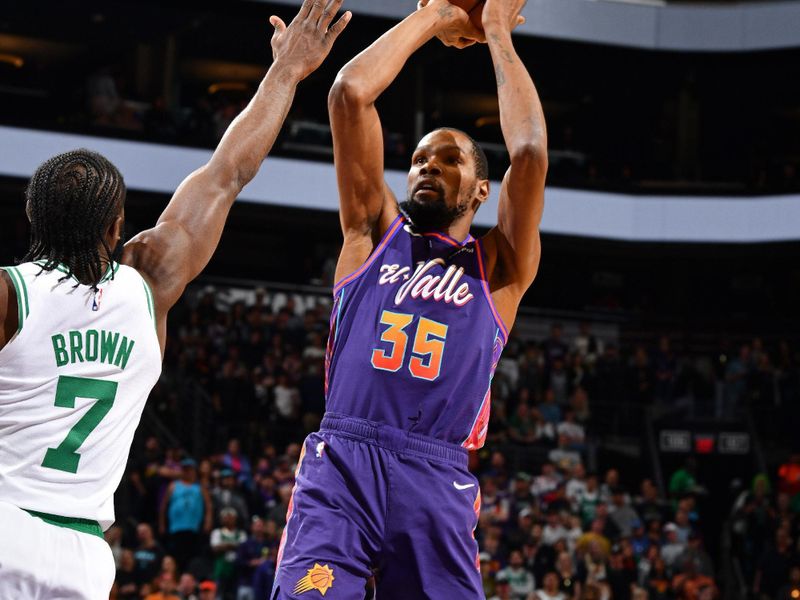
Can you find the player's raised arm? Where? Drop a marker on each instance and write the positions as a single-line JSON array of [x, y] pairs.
[[357, 136], [187, 233], [516, 237]]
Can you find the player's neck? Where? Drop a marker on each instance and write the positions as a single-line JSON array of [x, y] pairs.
[[458, 230]]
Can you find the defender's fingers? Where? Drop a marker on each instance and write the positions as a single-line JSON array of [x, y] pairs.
[[317, 6], [278, 24], [328, 14], [305, 9], [338, 27]]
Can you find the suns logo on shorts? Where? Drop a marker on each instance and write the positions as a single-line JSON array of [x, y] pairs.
[[318, 578]]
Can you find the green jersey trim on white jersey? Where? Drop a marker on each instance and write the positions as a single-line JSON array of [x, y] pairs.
[[22, 295], [151, 305], [110, 270]]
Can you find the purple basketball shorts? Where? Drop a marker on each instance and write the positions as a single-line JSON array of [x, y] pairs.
[[372, 499]]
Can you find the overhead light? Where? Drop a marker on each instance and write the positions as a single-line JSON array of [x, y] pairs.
[[228, 86], [12, 59]]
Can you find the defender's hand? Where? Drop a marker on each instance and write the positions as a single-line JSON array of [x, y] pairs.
[[457, 29], [503, 14], [304, 44]]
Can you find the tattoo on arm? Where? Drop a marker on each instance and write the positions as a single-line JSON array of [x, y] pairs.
[[445, 11], [503, 51], [501, 77]]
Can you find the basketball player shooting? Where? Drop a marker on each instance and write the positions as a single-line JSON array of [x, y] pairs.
[[82, 336], [421, 315]]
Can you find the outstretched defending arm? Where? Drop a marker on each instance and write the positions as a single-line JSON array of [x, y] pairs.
[[513, 247], [187, 233], [357, 136]]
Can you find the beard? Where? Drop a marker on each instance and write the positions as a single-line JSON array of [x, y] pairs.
[[431, 215]]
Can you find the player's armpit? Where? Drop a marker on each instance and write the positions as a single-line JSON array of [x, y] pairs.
[[161, 256]]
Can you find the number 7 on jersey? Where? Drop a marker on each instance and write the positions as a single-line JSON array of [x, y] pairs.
[[65, 457]]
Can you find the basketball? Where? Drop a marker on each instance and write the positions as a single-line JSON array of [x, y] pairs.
[[474, 9], [321, 579]]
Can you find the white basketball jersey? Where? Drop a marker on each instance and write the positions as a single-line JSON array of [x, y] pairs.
[[73, 384]]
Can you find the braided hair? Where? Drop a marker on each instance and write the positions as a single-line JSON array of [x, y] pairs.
[[72, 200]]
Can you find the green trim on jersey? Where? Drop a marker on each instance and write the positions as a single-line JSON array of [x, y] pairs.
[[151, 305], [82, 525], [23, 308], [110, 270]]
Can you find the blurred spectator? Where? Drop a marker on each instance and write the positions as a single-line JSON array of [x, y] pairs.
[[568, 583], [622, 514], [225, 495], [554, 346], [148, 555], [683, 481], [672, 548], [187, 587], [520, 580], [113, 537], [697, 555], [586, 344], [502, 588], [789, 476], [648, 505], [550, 589], [239, 464], [773, 566], [249, 556], [127, 579], [167, 588], [225, 540], [690, 585], [549, 410], [185, 510], [208, 590], [574, 432]]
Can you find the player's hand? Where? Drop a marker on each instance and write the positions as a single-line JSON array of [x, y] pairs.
[[503, 13], [457, 31], [304, 44]]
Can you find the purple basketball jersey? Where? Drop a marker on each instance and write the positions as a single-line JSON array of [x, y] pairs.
[[415, 338]]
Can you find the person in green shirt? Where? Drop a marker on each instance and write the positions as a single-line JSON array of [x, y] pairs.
[[684, 481]]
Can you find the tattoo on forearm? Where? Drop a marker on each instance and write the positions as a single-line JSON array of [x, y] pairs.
[[501, 77], [445, 11], [504, 52]]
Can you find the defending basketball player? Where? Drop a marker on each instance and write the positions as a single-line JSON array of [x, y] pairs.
[[82, 336], [421, 315]]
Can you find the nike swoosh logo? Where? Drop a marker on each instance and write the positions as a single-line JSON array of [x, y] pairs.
[[463, 487]]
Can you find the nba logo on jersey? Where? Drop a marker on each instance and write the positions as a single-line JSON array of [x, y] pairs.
[[98, 298]]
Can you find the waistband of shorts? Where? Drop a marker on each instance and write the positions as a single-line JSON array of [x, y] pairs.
[[81, 525], [394, 439]]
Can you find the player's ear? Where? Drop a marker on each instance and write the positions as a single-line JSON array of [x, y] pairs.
[[482, 192], [116, 228]]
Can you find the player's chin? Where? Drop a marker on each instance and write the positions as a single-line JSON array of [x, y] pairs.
[[427, 197]]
